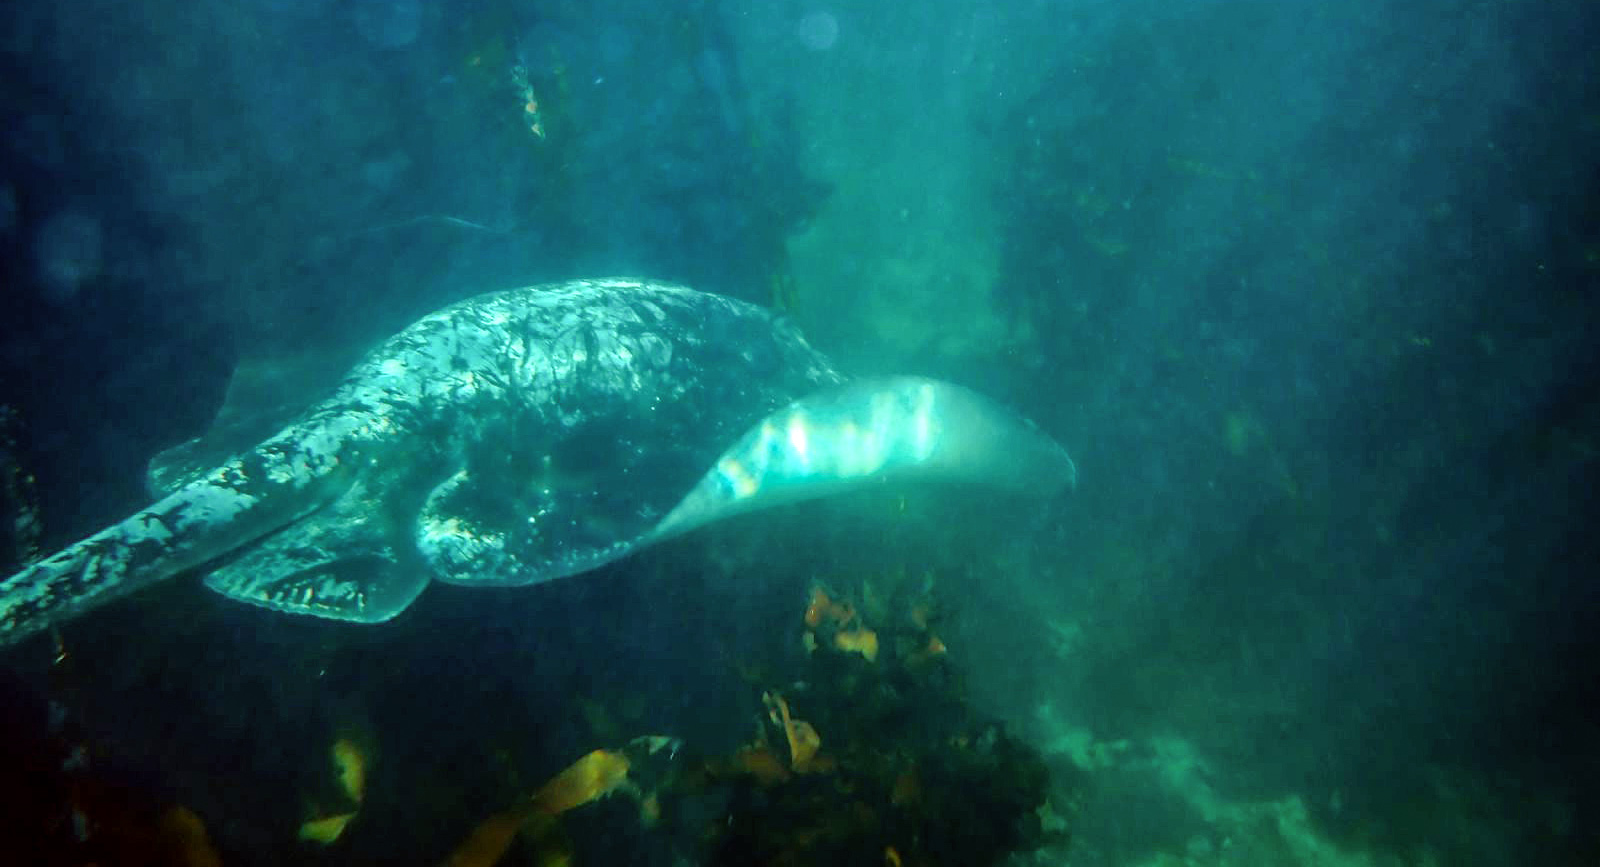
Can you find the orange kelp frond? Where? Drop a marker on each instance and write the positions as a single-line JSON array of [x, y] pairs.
[[537, 817], [803, 745], [592, 777], [489, 841], [921, 613], [802, 737], [819, 603], [859, 640], [185, 835], [326, 829], [927, 651], [588, 779], [352, 766], [758, 761], [823, 609], [777, 709]]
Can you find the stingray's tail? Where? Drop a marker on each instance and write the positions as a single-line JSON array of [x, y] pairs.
[[244, 499]]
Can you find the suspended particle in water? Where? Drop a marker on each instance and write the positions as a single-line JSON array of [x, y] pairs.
[[819, 30]]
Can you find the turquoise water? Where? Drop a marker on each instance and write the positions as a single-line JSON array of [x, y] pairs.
[[1306, 290]]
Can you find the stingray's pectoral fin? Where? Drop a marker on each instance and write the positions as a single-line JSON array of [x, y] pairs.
[[489, 528], [362, 588], [894, 428], [508, 535], [340, 564]]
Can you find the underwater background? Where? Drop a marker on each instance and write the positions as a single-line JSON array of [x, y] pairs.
[[1307, 289]]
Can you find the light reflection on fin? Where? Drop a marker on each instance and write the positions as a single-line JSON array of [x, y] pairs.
[[891, 428]]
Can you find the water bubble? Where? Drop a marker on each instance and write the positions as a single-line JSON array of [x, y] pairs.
[[818, 31]]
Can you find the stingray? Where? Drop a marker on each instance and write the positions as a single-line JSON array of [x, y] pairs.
[[527, 435]]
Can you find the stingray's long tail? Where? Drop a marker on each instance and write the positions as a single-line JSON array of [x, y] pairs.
[[238, 502]]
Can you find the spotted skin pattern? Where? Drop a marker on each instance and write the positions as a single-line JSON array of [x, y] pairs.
[[511, 438]]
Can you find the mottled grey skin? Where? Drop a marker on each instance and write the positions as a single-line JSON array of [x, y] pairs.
[[511, 438]]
